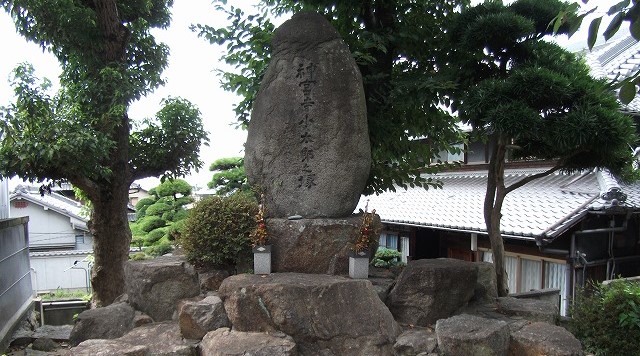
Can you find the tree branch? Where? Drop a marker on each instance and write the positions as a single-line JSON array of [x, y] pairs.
[[528, 179]]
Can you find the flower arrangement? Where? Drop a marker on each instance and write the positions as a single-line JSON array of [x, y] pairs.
[[259, 235], [368, 232]]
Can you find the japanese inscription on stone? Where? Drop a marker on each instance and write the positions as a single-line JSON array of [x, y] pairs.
[[306, 81]]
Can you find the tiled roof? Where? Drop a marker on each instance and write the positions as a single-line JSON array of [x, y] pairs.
[[53, 201], [543, 208], [60, 253], [616, 59]]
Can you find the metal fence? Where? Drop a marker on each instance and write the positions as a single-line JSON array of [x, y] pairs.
[[15, 279]]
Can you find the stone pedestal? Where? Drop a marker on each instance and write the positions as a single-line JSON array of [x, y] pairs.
[[262, 259], [359, 267], [318, 246]]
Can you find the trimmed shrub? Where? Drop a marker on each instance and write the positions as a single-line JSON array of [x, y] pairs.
[[386, 258], [216, 233], [606, 318], [154, 236], [158, 208], [159, 250], [149, 223]]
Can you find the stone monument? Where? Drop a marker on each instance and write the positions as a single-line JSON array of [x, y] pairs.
[[308, 141], [308, 147]]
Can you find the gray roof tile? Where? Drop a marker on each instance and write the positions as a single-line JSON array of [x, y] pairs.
[[542, 208]]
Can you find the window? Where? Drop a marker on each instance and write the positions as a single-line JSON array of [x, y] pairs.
[[389, 240], [526, 273], [79, 240]]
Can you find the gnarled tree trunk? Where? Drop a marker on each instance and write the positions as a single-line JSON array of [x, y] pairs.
[[111, 240]]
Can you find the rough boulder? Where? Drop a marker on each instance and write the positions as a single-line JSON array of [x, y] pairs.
[[155, 286], [324, 314], [428, 290]]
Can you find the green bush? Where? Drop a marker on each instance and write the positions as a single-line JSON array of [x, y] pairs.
[[386, 258], [149, 223], [138, 256], [606, 318], [159, 249], [154, 236], [216, 233]]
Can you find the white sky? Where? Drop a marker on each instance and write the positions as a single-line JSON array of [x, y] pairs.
[[191, 75]]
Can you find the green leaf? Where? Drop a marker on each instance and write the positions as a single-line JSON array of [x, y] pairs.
[[627, 92], [614, 26], [634, 28], [559, 20], [593, 31], [618, 7]]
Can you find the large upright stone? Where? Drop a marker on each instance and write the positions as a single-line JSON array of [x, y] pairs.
[[308, 142]]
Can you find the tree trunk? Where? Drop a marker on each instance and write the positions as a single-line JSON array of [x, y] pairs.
[[494, 198], [111, 240]]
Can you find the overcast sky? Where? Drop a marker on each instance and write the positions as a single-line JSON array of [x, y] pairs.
[[191, 75]]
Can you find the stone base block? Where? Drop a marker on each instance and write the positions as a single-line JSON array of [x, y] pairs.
[[316, 246], [262, 261], [359, 267]]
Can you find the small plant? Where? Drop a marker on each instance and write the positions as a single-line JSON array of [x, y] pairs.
[[386, 258], [606, 318], [259, 236], [368, 233]]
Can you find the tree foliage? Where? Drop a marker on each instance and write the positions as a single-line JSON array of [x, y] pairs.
[[83, 133], [532, 99], [399, 47], [159, 218], [229, 176]]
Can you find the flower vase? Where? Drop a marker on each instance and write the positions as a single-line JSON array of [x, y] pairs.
[[359, 265], [262, 259]]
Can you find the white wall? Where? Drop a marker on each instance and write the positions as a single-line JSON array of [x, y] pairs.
[[52, 272], [46, 227]]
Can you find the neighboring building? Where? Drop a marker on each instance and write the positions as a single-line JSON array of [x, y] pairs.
[[136, 192], [57, 230], [558, 231]]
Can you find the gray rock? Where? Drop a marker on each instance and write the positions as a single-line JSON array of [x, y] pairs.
[[529, 309], [308, 142], [44, 344], [155, 286], [544, 339], [382, 286], [431, 289], [486, 290], [415, 341], [313, 245], [472, 335], [102, 347], [109, 322], [224, 342], [197, 318], [322, 313], [161, 339], [210, 280], [59, 333], [141, 319]]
